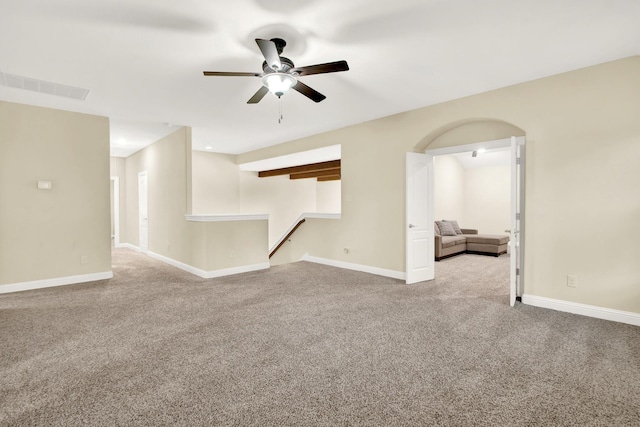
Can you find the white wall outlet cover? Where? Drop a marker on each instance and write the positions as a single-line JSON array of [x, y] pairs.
[[44, 185]]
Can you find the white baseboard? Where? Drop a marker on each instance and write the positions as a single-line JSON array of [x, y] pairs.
[[583, 309], [212, 273], [401, 275], [58, 281]]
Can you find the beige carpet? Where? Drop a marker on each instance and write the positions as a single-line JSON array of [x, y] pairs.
[[305, 345]]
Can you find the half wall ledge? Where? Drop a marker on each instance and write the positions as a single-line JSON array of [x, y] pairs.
[[226, 217]]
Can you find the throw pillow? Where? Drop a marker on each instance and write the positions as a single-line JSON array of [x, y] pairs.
[[436, 229], [446, 229], [455, 225]]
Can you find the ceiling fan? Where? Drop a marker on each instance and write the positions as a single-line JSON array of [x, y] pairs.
[[280, 74]]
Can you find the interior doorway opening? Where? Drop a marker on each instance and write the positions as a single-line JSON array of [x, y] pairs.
[[474, 189], [421, 203]]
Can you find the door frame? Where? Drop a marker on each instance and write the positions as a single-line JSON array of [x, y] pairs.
[[499, 143], [116, 210], [140, 246]]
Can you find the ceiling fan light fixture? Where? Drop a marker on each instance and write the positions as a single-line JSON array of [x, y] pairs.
[[279, 83]]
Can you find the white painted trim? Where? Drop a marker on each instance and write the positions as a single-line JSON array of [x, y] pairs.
[[400, 275], [583, 309], [498, 143], [128, 246], [226, 217], [58, 281], [318, 215], [143, 248], [212, 273], [306, 215], [116, 210]]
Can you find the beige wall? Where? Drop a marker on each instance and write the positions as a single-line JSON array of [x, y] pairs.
[[282, 198], [118, 170], [328, 197], [477, 197], [44, 233], [487, 201], [220, 187], [203, 245], [228, 244], [449, 190], [583, 148], [216, 183], [166, 164]]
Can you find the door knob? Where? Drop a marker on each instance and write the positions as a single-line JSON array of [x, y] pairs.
[[412, 226]]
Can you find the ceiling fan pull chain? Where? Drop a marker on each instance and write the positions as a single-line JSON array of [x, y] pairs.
[[280, 116]]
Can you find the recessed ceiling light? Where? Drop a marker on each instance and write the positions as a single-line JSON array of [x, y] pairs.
[[481, 150], [208, 147]]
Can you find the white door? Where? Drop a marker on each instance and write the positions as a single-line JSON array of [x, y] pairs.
[[143, 214], [419, 247], [517, 219]]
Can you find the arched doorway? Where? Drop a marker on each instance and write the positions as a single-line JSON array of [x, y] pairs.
[[462, 136]]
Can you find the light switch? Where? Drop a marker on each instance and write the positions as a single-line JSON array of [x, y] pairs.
[[44, 185]]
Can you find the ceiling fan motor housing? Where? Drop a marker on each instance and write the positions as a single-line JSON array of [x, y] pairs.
[[287, 65], [280, 44]]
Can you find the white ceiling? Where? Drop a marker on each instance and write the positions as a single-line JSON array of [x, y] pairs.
[[142, 60], [324, 154]]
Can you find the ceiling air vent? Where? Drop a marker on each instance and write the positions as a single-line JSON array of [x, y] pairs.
[[43, 86]]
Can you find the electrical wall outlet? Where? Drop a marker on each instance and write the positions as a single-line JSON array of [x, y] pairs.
[[84, 259], [572, 281], [44, 185]]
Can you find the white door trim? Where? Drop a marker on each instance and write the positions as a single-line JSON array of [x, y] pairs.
[[143, 242], [116, 210], [514, 236]]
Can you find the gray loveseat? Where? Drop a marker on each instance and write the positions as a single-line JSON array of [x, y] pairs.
[[466, 240]]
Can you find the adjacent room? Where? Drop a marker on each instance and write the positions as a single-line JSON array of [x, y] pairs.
[[473, 189]]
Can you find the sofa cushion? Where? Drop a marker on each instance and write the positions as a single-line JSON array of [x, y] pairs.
[[446, 229], [454, 224], [487, 239], [449, 241]]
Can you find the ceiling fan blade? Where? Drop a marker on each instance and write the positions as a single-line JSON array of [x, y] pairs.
[[229, 73], [330, 67], [270, 53], [258, 95], [310, 93]]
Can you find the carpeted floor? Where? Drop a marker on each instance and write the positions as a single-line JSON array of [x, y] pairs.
[[305, 345]]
